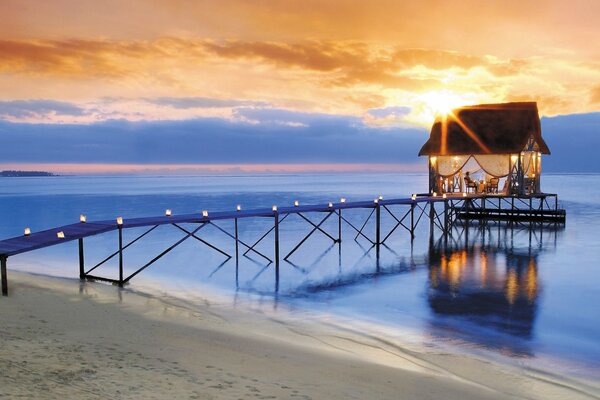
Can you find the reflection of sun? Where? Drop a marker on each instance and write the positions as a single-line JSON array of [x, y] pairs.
[[442, 102]]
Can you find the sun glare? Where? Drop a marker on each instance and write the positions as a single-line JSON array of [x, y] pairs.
[[441, 103]]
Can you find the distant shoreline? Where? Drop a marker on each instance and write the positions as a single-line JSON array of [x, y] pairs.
[[19, 174]]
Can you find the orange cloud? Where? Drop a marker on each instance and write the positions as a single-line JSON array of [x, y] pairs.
[[507, 29], [84, 58], [346, 63], [339, 56], [595, 95]]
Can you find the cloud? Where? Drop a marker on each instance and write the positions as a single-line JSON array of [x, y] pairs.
[[506, 28], [190, 77], [573, 140], [204, 102], [320, 139], [595, 95], [78, 58], [389, 111], [388, 116], [352, 61], [28, 109], [358, 62], [275, 116]]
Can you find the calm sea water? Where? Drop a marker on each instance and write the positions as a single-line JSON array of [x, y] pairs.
[[530, 295]]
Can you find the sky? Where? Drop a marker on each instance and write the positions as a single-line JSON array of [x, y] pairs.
[[225, 86]]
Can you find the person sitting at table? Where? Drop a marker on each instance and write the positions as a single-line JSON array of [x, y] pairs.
[[471, 183]]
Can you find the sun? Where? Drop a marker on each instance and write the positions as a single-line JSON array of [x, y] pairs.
[[442, 102]]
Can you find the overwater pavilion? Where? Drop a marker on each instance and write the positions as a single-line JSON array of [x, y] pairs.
[[486, 148]]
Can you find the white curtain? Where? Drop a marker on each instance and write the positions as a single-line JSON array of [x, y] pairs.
[[497, 165], [450, 165]]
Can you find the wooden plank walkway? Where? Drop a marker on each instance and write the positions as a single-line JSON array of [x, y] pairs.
[[455, 206], [38, 240], [46, 238]]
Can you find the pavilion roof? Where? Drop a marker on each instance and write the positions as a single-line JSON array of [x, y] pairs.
[[486, 129]]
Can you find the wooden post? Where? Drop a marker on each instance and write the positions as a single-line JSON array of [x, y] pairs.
[[340, 226], [431, 215], [412, 221], [483, 204], [237, 250], [378, 225], [120, 256], [445, 217], [81, 260], [530, 203], [3, 273], [521, 176], [277, 247]]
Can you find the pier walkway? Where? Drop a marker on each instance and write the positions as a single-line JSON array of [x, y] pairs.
[[455, 207]]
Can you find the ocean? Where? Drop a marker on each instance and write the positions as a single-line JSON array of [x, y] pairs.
[[521, 294]]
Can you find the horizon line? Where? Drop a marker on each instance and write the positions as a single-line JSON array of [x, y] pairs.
[[216, 169]]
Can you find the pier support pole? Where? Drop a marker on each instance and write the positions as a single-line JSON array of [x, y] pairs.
[[445, 217], [81, 260], [412, 222], [120, 256], [3, 273], [377, 232], [277, 249], [530, 203], [378, 225], [483, 211], [431, 216], [340, 226], [237, 245]]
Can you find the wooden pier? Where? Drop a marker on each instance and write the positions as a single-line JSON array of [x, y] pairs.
[[442, 211]]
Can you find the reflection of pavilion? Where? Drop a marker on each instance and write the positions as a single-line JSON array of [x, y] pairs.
[[498, 290], [486, 286]]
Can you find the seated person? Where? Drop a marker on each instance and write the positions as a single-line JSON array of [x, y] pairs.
[[471, 183]]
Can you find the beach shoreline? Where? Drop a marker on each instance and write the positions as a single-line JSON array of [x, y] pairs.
[[70, 339]]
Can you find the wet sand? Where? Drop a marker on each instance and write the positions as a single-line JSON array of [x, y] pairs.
[[60, 338]]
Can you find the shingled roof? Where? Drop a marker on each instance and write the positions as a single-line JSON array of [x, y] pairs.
[[486, 129]]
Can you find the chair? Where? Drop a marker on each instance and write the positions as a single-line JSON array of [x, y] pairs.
[[492, 186], [470, 184]]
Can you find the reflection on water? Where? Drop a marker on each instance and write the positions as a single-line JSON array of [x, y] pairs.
[[489, 280]]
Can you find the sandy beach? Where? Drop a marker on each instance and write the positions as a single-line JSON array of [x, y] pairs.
[[62, 338]]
